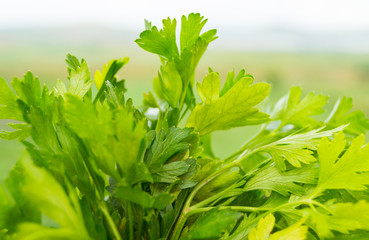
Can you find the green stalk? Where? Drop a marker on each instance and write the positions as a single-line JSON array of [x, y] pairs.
[[110, 221], [181, 102], [234, 208], [213, 198], [187, 206], [130, 220]]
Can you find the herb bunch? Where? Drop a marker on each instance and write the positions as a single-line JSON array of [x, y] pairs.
[[98, 167]]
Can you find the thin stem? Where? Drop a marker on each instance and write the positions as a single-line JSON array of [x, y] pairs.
[[322, 206], [183, 217], [213, 198], [183, 96], [110, 221], [178, 227], [234, 208], [225, 203], [139, 228], [130, 220], [186, 208]]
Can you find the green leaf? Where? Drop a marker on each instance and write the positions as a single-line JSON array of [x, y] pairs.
[[129, 135], [343, 218], [209, 88], [29, 231], [95, 133], [213, 224], [47, 195], [162, 200], [168, 172], [170, 84], [109, 71], [264, 228], [297, 148], [190, 57], [79, 76], [269, 178], [235, 108], [8, 103], [190, 31], [28, 89], [115, 94], [10, 214], [340, 168], [168, 143], [15, 183], [192, 46], [112, 137], [232, 80], [134, 195], [291, 110], [229, 178], [149, 100], [139, 173], [21, 133], [341, 115], [266, 225], [161, 42]]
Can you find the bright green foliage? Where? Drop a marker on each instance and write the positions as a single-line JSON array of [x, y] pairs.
[[234, 109], [108, 72], [296, 148], [8, 105], [79, 77], [97, 167], [265, 226], [357, 122], [344, 217], [176, 78], [336, 167], [269, 178], [291, 110]]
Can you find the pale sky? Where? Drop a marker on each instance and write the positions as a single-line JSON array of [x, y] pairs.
[[316, 15]]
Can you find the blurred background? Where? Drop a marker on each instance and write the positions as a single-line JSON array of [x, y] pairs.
[[319, 45]]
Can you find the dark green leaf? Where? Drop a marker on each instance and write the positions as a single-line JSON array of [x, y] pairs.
[[213, 224]]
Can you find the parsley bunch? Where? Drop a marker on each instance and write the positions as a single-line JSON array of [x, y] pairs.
[[98, 167]]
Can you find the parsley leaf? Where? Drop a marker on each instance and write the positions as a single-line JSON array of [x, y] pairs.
[[291, 110], [213, 224], [337, 164], [296, 148], [79, 77], [265, 226], [341, 115], [269, 178], [235, 108], [344, 217], [8, 103]]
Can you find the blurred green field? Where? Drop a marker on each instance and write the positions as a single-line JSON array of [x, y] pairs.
[[333, 74]]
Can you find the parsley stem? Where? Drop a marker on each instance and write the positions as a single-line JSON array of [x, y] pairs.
[[130, 220], [187, 206], [235, 208], [213, 198], [110, 221], [184, 92]]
